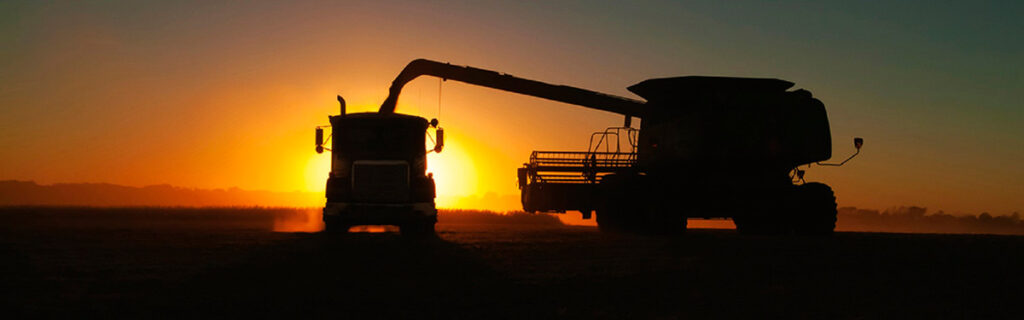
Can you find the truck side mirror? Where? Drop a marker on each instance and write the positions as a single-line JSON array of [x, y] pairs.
[[319, 140], [440, 140], [857, 143]]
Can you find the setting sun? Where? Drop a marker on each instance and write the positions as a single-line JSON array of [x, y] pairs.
[[454, 172]]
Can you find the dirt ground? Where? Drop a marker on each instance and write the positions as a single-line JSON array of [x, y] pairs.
[[232, 264]]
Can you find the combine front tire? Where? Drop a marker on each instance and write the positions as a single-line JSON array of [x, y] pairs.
[[768, 212], [333, 226], [760, 224], [668, 223], [611, 220], [620, 207]]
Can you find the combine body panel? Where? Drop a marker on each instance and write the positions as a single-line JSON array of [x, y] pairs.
[[730, 122]]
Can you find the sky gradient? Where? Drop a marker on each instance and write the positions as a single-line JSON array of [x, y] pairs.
[[212, 95]]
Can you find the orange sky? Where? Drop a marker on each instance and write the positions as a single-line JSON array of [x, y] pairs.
[[215, 96]]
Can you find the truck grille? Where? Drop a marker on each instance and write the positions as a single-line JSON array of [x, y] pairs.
[[380, 181]]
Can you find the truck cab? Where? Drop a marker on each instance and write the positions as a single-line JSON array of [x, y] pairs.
[[378, 173]]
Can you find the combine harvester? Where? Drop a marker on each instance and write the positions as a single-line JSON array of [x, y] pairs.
[[707, 147]]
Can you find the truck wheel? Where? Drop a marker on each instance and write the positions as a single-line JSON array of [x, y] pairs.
[[816, 210], [417, 230]]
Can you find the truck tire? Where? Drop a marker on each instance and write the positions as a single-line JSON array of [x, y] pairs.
[[417, 229], [816, 210]]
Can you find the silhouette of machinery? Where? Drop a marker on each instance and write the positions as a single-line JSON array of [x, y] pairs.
[[707, 147], [378, 172]]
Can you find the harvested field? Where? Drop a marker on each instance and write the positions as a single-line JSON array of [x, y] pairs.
[[81, 262]]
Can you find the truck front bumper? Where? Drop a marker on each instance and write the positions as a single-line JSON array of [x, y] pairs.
[[380, 214]]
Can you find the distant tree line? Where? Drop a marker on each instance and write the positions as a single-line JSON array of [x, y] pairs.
[[28, 193], [918, 220]]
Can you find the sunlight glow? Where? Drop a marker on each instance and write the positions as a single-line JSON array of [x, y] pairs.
[[318, 166], [454, 173]]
